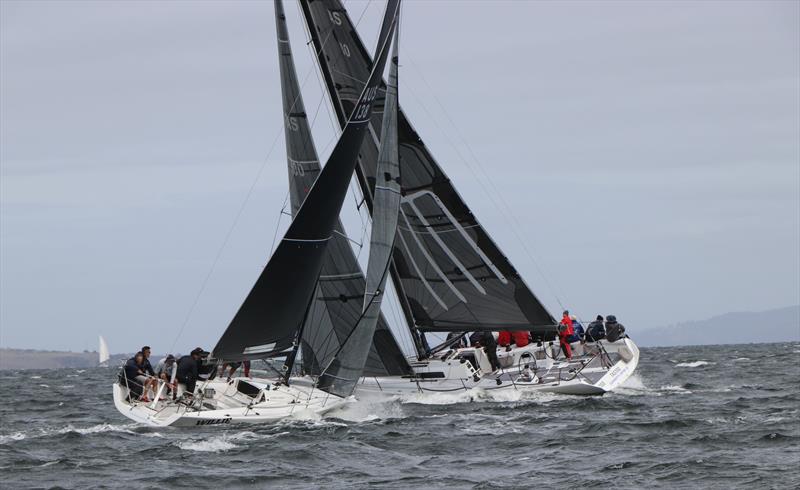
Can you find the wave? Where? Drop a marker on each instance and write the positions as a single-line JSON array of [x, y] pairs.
[[53, 431], [213, 445], [16, 436], [675, 389], [478, 395], [368, 409], [634, 386], [694, 364], [224, 442]]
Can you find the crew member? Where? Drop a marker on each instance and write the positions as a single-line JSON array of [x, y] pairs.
[[596, 331], [188, 367], [521, 338], [504, 338], [489, 345], [578, 334], [565, 330], [614, 330], [148, 368]]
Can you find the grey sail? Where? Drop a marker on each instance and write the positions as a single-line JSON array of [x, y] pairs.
[[336, 306], [271, 317], [449, 273], [341, 377]]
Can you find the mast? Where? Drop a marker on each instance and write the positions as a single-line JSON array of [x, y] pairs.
[[274, 310], [336, 306], [342, 379], [338, 15]]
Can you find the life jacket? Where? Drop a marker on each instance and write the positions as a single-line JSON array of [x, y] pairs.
[[521, 338], [504, 339]]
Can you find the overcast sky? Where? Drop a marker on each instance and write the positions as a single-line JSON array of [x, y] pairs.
[[647, 152]]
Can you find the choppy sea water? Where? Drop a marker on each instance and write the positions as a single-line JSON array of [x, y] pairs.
[[703, 417]]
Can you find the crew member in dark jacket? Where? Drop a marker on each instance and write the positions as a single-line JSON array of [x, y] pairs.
[[146, 366], [595, 331], [489, 345], [138, 380], [614, 330], [188, 367]]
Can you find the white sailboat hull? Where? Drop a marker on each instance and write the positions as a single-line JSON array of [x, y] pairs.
[[225, 405], [586, 375]]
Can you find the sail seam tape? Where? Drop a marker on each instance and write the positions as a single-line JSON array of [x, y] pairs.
[[433, 263], [458, 227]]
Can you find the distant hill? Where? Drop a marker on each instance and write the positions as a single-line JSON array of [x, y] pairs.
[[780, 325], [40, 359]]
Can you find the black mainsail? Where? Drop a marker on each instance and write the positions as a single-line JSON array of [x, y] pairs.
[[336, 307], [269, 320], [346, 368], [448, 272]]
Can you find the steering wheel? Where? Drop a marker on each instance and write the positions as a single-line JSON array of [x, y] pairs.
[[525, 360]]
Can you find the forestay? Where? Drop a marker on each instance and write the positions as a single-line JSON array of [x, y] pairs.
[[449, 273], [341, 377], [337, 301], [269, 320]]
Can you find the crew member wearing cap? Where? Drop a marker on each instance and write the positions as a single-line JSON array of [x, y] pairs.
[[188, 367]]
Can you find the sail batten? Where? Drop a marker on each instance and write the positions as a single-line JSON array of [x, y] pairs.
[[448, 271], [276, 308]]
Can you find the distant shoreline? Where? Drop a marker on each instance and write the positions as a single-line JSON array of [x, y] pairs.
[[33, 359]]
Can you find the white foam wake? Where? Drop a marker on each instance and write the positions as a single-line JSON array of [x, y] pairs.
[[224, 442], [693, 364]]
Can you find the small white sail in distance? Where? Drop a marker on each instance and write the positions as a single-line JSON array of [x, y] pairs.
[[104, 356]]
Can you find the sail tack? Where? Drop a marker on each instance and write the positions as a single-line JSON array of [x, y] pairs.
[[348, 365], [336, 306], [271, 316], [449, 273]]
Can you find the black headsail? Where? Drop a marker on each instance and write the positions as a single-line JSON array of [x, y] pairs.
[[275, 309], [337, 301], [341, 377], [449, 273]]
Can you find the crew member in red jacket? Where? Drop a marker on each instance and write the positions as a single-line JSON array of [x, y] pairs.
[[504, 338], [520, 337], [564, 331]]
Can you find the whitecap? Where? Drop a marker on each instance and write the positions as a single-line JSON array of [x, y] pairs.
[[675, 389], [45, 386], [36, 377], [634, 386], [477, 395], [367, 409], [213, 445], [741, 359], [16, 436], [693, 364]]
